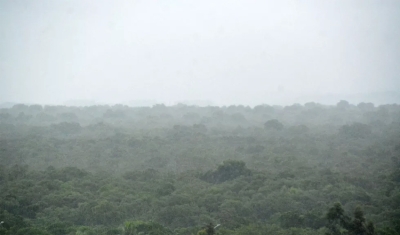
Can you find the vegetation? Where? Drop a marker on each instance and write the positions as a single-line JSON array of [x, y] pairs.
[[114, 170]]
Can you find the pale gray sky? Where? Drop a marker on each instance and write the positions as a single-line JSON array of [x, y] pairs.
[[244, 51]]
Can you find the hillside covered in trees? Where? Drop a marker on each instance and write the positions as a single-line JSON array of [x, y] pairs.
[[299, 169]]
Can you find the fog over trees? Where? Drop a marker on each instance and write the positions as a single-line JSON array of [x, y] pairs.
[[299, 169], [199, 117]]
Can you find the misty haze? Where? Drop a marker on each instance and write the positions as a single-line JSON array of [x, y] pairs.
[[274, 52], [128, 117]]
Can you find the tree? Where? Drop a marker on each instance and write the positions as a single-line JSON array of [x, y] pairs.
[[140, 227], [273, 124], [59, 228], [343, 104], [32, 231], [229, 170], [355, 130], [291, 219], [366, 106], [359, 226], [208, 230], [338, 222]]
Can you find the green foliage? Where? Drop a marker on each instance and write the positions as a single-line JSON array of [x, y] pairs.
[[337, 220], [32, 231], [229, 170], [144, 228], [59, 228], [85, 231], [273, 124], [207, 230], [355, 130], [69, 170], [166, 189], [339, 223], [291, 219]]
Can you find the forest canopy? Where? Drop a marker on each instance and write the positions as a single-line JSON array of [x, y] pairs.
[[299, 169]]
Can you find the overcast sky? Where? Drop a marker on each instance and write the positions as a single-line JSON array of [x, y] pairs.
[[228, 52]]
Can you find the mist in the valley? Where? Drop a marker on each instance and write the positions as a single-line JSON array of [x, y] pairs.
[[199, 52]]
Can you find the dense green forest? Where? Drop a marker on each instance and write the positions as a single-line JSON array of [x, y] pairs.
[[299, 169]]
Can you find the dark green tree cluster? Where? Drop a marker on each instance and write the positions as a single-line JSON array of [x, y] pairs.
[[339, 223], [228, 170]]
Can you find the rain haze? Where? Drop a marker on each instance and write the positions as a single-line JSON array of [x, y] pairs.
[[199, 117], [236, 52]]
